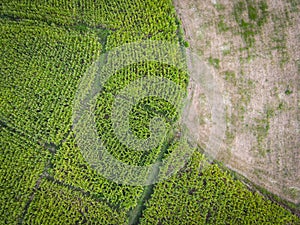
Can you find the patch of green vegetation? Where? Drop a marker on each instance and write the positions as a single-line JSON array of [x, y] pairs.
[[220, 7], [83, 29], [222, 26], [180, 33], [214, 62], [252, 12], [285, 58], [279, 39], [244, 96], [279, 36], [243, 87], [250, 83], [257, 13], [270, 113], [79, 27], [294, 4], [226, 52], [229, 136], [263, 7], [281, 106], [186, 44], [230, 77], [288, 91], [200, 52], [262, 128], [244, 92]]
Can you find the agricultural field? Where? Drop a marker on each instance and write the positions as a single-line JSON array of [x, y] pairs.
[[46, 49]]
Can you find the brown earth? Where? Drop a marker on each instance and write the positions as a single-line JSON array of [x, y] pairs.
[[253, 48]]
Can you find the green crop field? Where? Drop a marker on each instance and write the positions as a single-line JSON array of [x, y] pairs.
[[45, 49]]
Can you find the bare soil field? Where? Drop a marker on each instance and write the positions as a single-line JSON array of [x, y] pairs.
[[253, 48]]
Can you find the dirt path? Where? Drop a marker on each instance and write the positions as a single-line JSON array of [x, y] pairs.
[[253, 49]]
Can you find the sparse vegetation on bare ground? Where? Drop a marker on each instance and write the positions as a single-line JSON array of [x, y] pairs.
[[252, 46]]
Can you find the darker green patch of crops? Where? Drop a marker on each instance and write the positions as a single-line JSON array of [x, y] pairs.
[[57, 204]]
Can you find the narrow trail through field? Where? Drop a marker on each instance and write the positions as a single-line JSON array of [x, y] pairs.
[[136, 213]]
